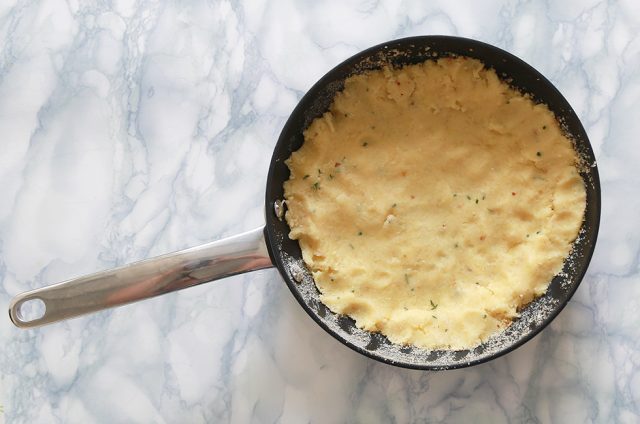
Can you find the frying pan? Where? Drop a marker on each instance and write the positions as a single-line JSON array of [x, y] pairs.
[[271, 246]]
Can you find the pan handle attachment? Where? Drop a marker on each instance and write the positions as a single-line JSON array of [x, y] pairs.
[[142, 280]]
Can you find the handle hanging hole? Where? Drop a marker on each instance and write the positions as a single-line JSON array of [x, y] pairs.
[[31, 310]]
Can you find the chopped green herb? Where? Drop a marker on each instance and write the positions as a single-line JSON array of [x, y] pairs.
[[455, 195], [483, 197], [433, 305], [538, 154], [537, 232], [434, 317], [359, 233], [394, 205], [413, 289], [527, 235], [477, 283], [315, 186], [331, 176], [406, 278], [305, 177], [484, 316], [405, 308], [351, 246], [468, 197], [446, 329], [353, 291], [544, 127], [455, 245], [365, 144], [319, 171], [476, 201]]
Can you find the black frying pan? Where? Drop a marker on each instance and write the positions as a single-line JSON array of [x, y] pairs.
[[247, 252]]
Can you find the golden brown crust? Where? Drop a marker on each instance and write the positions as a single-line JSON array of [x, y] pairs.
[[432, 201]]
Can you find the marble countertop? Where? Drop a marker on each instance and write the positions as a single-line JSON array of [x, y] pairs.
[[134, 128]]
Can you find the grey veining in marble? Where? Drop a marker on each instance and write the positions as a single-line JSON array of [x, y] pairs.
[[131, 128]]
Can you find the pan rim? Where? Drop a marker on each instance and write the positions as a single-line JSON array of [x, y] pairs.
[[594, 206]]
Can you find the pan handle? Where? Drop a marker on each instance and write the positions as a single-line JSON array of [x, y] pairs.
[[142, 280]]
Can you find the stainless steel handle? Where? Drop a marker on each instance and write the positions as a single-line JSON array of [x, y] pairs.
[[145, 279]]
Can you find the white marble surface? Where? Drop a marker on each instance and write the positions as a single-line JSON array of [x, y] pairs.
[[130, 128]]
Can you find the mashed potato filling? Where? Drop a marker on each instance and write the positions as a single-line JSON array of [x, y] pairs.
[[431, 202]]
